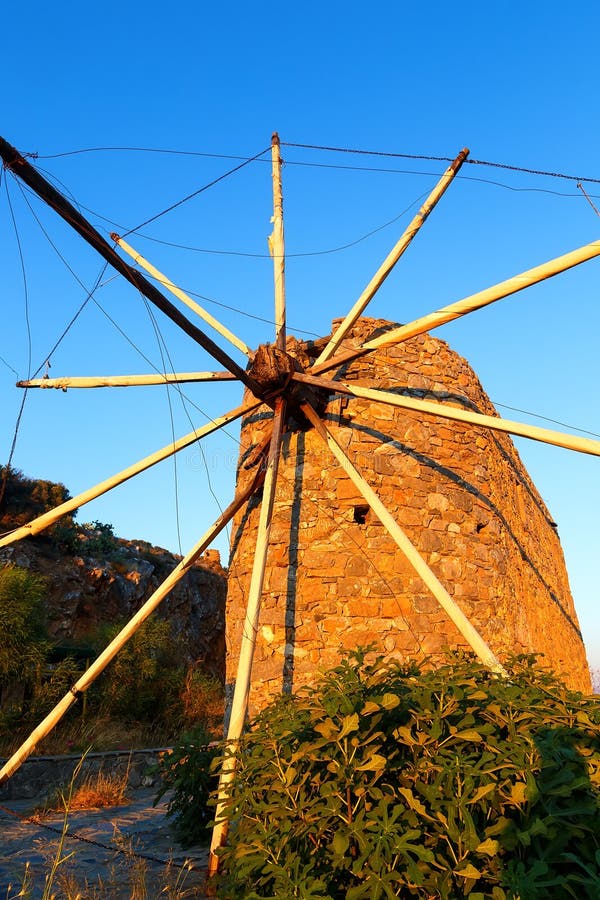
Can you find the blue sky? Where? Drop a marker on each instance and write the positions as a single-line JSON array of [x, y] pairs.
[[516, 85]]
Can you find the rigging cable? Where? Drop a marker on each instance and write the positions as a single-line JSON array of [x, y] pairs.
[[178, 388], [6, 468], [199, 191], [383, 153], [90, 293], [588, 198], [305, 253], [260, 255], [472, 162], [8, 366]]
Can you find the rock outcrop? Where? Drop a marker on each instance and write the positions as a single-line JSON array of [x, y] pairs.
[[86, 590]]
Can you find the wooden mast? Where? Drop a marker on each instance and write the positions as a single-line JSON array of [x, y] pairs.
[[239, 705], [181, 295], [276, 244], [98, 381]]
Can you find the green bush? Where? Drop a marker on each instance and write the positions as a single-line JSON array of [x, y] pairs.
[[144, 681], [25, 498], [23, 645], [55, 681], [383, 781], [187, 772], [90, 539], [98, 537], [25, 651]]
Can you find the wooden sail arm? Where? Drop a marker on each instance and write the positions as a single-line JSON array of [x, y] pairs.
[[98, 381], [471, 635], [392, 258], [458, 414], [49, 518], [32, 178], [467, 305], [181, 295], [108, 654]]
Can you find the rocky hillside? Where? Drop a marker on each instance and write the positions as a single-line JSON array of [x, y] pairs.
[[94, 578]]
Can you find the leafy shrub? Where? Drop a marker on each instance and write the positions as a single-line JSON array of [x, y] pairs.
[[67, 536], [145, 678], [147, 682], [25, 653], [201, 699], [98, 537], [187, 771], [25, 498], [53, 683], [23, 644], [91, 539], [387, 782]]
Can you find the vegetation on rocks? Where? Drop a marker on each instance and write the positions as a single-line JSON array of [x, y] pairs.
[[383, 781], [147, 695], [22, 626], [64, 594], [23, 498]]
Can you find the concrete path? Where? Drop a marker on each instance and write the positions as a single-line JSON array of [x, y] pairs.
[[117, 870]]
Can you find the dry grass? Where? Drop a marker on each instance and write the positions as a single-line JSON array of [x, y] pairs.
[[97, 791], [101, 791], [128, 878]]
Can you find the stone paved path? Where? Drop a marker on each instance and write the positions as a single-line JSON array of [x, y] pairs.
[[138, 828]]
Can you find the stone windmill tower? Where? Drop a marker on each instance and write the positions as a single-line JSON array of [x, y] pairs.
[[336, 578], [379, 497]]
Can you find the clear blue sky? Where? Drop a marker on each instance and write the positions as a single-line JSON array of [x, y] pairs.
[[518, 84]]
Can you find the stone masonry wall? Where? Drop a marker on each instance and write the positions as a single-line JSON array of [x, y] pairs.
[[335, 579], [40, 777]]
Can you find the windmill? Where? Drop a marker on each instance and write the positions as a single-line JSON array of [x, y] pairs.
[[292, 391]]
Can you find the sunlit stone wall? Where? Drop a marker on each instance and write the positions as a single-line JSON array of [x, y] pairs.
[[335, 578]]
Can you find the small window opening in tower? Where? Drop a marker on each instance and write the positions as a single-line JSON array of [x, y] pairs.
[[360, 514]]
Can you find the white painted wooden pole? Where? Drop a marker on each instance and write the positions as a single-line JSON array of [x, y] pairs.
[[467, 305], [458, 414], [239, 706], [277, 244], [471, 635], [98, 666], [48, 518], [98, 381], [392, 258], [181, 295]]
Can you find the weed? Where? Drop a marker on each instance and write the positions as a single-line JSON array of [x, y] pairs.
[[129, 877]]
